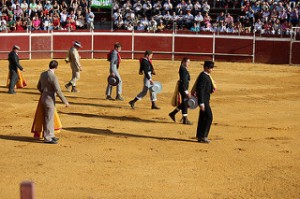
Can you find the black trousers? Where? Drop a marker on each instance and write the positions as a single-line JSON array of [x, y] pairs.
[[183, 105], [204, 122], [13, 80]]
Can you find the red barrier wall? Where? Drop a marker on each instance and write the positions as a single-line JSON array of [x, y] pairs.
[[196, 47]]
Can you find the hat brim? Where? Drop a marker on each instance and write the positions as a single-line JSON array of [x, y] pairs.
[[113, 80], [156, 87], [79, 45], [193, 102]]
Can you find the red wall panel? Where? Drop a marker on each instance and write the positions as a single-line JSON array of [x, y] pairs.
[[7, 43], [106, 43], [65, 42], [296, 53], [272, 52], [233, 46], [188, 44], [42, 43]]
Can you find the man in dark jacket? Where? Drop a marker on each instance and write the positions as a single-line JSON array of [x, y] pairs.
[[183, 89], [13, 60], [204, 88], [146, 67]]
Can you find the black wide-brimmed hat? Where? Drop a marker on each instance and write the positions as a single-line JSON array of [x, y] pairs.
[[156, 87], [209, 64], [193, 102], [77, 43], [113, 80]]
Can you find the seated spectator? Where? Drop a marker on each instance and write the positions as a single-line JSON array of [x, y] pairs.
[[39, 7], [147, 9], [277, 27], [80, 23], [3, 27], [36, 23], [152, 26], [71, 24], [221, 18], [214, 27], [11, 24], [27, 23], [90, 19], [19, 24], [207, 20], [167, 18], [63, 18], [188, 20], [119, 23], [56, 22], [230, 28], [48, 8], [180, 20], [48, 23], [24, 6], [63, 6], [205, 7], [138, 8], [74, 4], [157, 7], [130, 27], [197, 7], [189, 6], [140, 27], [72, 15], [222, 27], [258, 26], [127, 6], [181, 7], [33, 7], [229, 19], [195, 27], [199, 18], [55, 7], [160, 27], [167, 7], [18, 12]]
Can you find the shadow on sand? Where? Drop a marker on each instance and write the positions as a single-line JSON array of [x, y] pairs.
[[107, 132], [121, 118], [20, 138]]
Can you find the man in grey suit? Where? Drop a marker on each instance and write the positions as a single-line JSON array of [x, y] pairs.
[[73, 57], [14, 64], [115, 60], [48, 86]]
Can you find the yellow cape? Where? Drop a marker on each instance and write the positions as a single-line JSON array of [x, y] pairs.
[[38, 122], [20, 83]]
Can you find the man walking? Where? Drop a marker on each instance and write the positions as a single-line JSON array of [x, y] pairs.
[[74, 59], [48, 86], [115, 60], [204, 87], [14, 65], [146, 67]]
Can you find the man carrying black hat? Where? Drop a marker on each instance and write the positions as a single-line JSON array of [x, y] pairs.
[[204, 87], [13, 59]]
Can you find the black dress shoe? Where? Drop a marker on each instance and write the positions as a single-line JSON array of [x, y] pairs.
[[55, 139], [11, 92], [172, 116], [119, 97], [204, 140], [131, 104], [51, 142], [109, 98]]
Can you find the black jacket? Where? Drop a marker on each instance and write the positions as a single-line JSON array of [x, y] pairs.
[[145, 67], [13, 59], [204, 88], [184, 79]]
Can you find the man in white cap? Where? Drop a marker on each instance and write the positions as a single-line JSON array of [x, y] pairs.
[[14, 65], [73, 57]]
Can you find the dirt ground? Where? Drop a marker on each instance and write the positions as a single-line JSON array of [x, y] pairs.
[[107, 150]]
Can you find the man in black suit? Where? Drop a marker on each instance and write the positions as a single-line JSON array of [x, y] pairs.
[[204, 88], [13, 59]]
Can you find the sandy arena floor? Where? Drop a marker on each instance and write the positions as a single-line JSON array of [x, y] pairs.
[[107, 150]]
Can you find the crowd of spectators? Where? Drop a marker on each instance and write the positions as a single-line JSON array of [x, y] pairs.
[[45, 15], [261, 16]]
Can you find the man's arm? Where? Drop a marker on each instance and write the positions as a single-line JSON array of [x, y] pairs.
[[58, 91], [15, 61]]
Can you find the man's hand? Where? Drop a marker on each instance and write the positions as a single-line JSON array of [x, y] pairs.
[[151, 82], [67, 105], [80, 68], [202, 107], [189, 95], [113, 74]]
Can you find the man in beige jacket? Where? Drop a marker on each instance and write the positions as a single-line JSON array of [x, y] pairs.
[[48, 86], [73, 57]]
